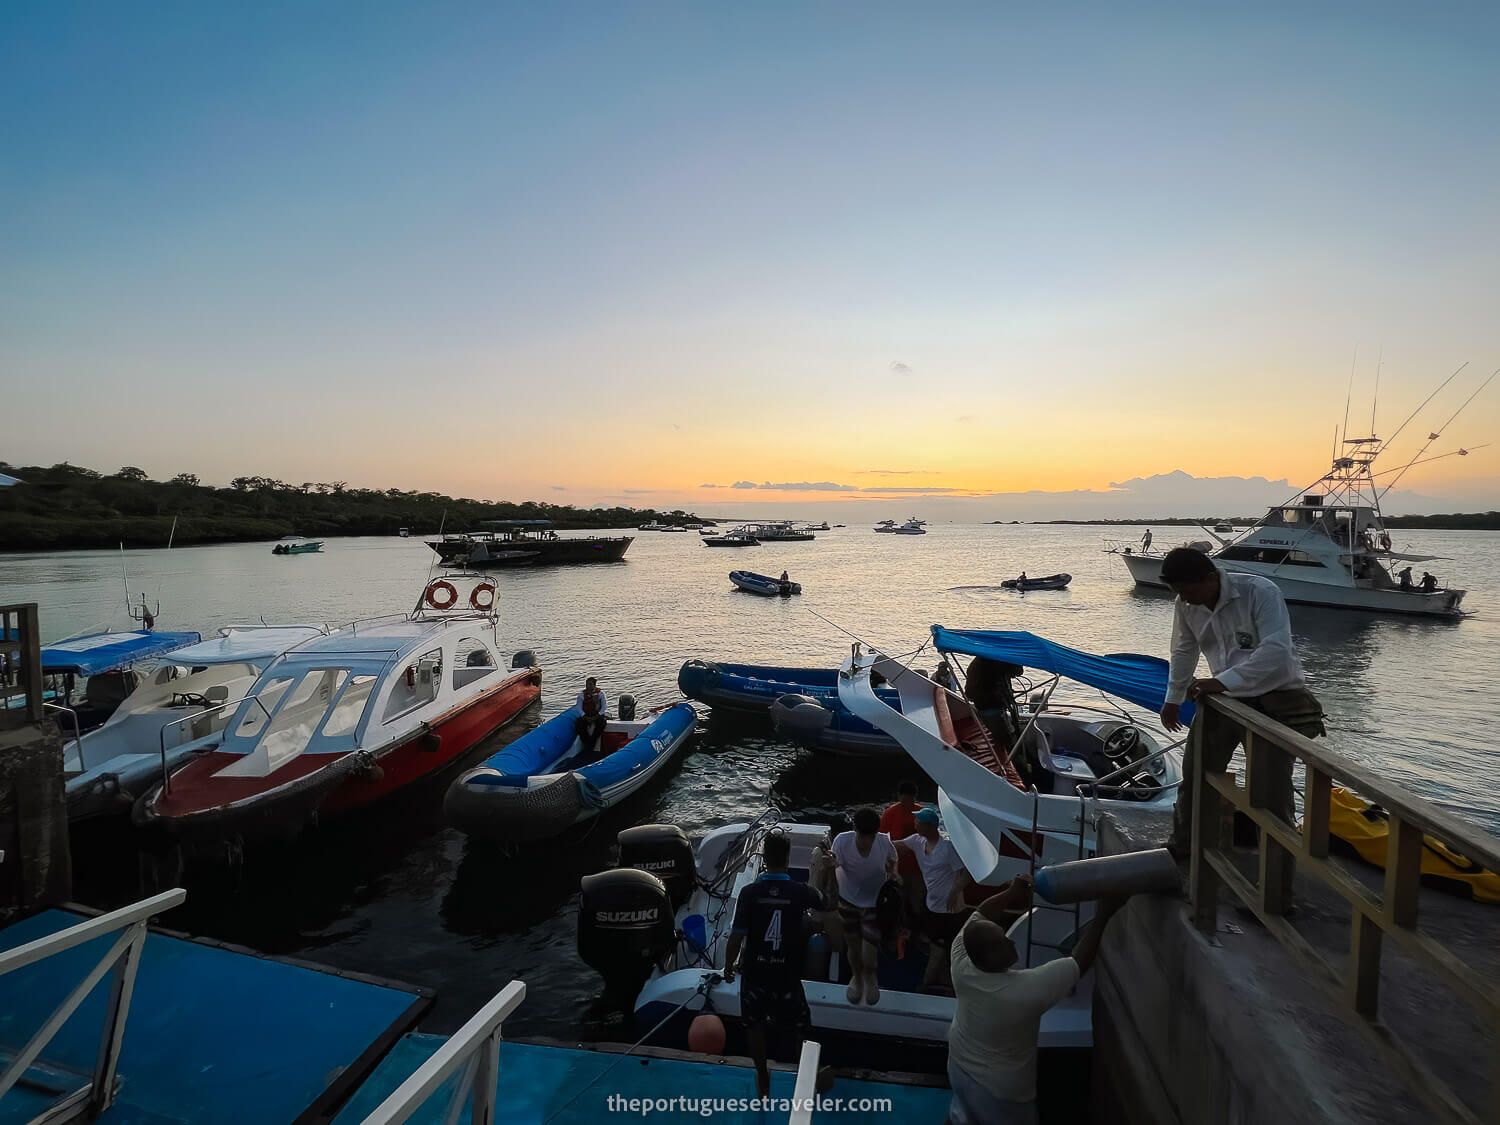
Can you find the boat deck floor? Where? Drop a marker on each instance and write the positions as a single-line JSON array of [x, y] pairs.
[[563, 1085], [214, 1034]]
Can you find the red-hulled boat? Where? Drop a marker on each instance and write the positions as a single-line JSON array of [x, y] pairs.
[[343, 720]]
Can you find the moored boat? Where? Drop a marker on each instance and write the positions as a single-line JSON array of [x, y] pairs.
[[540, 784], [515, 543], [753, 583], [1048, 582], [803, 703], [344, 720], [107, 663], [736, 538], [297, 545]]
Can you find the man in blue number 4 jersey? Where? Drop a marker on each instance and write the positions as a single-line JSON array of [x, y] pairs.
[[771, 928]]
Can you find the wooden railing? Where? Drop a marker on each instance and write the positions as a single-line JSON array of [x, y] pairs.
[[1373, 917], [21, 660]]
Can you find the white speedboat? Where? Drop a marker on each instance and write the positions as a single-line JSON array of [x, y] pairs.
[[886, 527], [1329, 547], [180, 707], [778, 531], [912, 526]]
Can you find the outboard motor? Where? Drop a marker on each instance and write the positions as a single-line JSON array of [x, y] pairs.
[[625, 925], [523, 659], [663, 851], [625, 707], [801, 718]]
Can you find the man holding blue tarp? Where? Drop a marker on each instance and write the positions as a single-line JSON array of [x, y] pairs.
[[1239, 622]]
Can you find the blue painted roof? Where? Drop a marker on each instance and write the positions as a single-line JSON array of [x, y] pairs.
[[539, 1083], [1138, 678], [213, 1035], [103, 652]]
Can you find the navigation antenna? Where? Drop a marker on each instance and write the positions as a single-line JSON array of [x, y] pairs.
[[1375, 398], [1348, 397]]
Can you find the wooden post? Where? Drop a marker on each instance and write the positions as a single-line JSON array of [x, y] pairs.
[[1203, 880], [1362, 980], [1317, 798], [1403, 872]]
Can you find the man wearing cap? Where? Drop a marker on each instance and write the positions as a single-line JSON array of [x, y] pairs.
[[946, 880], [1240, 624]]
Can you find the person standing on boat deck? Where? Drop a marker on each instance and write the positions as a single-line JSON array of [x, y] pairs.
[[1240, 623], [997, 1011], [1429, 583], [946, 879], [1146, 540], [1405, 576], [589, 726], [770, 927], [863, 860], [898, 822]]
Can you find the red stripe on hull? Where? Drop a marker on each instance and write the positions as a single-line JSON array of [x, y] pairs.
[[456, 733]]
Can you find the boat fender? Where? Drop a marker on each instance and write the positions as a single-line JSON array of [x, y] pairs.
[[483, 598], [1132, 873], [445, 588], [523, 659], [430, 743], [625, 706]]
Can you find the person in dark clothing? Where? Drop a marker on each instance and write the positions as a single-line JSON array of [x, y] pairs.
[[1405, 578], [771, 931], [589, 726], [1429, 583]]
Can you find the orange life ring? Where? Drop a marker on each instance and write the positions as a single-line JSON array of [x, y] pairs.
[[486, 603], [446, 603]]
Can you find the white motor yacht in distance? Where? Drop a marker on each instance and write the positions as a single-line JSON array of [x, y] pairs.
[[1327, 547]]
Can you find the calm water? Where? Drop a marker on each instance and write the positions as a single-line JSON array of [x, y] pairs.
[[392, 892]]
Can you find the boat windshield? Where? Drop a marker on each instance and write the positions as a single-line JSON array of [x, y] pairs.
[[312, 709]]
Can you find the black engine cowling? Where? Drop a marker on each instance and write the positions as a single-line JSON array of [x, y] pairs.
[[664, 851], [625, 925]]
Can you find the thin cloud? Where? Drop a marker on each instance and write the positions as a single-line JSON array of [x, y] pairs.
[[639, 491], [559, 488], [900, 369], [895, 472], [965, 418], [796, 486]]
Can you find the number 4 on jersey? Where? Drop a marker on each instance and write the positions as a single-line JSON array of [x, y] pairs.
[[773, 931]]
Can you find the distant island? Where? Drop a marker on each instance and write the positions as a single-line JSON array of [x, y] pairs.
[[65, 507]]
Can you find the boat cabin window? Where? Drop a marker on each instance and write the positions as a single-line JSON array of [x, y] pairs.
[[1242, 552], [417, 685], [472, 660], [255, 717], [1291, 516], [350, 706]]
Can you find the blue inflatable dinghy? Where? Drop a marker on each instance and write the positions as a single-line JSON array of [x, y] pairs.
[[803, 703], [538, 786]]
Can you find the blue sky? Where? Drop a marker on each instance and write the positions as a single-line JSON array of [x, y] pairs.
[[486, 247]]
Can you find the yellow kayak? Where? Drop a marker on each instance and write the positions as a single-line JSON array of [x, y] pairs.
[[1365, 828]]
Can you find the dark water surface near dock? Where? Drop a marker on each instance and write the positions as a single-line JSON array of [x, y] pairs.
[[392, 892]]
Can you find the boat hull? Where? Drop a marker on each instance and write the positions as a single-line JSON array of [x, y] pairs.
[[203, 806], [550, 552], [1050, 582], [1146, 571], [763, 585]]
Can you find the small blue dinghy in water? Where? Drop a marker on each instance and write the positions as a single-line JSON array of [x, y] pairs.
[[537, 786], [754, 583]]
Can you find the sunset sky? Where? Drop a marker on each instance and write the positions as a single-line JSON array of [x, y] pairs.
[[619, 252]]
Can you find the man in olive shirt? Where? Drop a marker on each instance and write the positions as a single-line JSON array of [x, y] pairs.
[[998, 1011]]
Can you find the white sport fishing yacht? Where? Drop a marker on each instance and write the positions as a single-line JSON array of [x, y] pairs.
[[1327, 547]]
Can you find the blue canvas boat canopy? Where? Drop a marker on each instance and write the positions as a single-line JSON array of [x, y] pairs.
[[104, 652], [1129, 675]]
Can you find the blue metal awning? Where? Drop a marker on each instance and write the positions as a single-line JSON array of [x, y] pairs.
[[1140, 679], [103, 652]]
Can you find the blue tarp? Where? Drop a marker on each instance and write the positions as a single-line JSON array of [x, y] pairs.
[[1140, 679], [103, 652]]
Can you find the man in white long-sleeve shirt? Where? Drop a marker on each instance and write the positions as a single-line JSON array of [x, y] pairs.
[[1240, 623]]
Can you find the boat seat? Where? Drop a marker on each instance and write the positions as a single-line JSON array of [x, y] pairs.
[[971, 739], [215, 694]]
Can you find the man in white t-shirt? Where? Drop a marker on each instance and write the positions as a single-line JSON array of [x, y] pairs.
[[998, 1011], [863, 860], [947, 879]]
